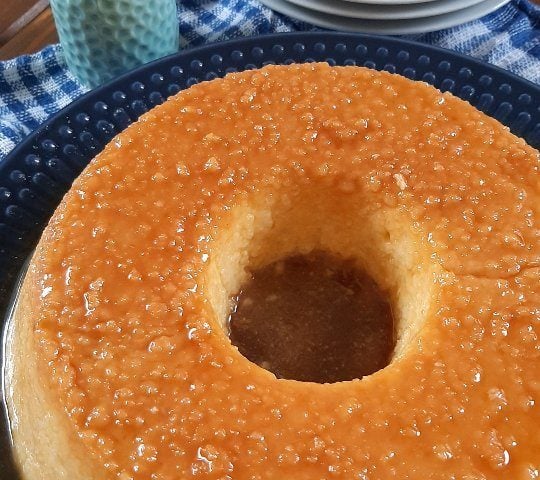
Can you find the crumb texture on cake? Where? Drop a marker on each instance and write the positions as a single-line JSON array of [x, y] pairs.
[[123, 310]]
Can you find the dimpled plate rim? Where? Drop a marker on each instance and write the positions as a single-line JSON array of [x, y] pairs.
[[37, 173]]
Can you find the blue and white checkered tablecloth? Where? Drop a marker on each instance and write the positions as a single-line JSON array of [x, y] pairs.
[[34, 87]]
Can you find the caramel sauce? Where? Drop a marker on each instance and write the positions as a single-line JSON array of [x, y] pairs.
[[150, 382], [315, 318]]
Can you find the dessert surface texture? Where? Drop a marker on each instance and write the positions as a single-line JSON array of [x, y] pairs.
[[128, 294]]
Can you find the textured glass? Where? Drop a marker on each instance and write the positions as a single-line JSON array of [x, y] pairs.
[[104, 38]]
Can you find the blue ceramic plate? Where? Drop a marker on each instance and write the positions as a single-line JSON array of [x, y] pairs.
[[35, 176]]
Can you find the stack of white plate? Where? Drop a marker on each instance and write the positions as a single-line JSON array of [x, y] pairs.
[[390, 17]]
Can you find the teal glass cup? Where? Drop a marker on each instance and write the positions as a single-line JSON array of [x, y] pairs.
[[103, 38]]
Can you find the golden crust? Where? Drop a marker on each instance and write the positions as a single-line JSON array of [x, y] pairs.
[[131, 284]]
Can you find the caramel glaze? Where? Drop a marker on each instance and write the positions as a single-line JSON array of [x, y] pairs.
[[315, 318], [155, 389]]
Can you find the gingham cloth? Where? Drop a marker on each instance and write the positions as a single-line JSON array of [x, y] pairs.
[[34, 87]]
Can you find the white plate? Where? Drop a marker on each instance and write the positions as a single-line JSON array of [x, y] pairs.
[[381, 12], [386, 27], [393, 2]]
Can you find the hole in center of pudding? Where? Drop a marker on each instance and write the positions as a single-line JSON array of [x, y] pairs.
[[314, 318]]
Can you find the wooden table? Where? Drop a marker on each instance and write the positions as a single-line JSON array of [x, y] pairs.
[[26, 26]]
